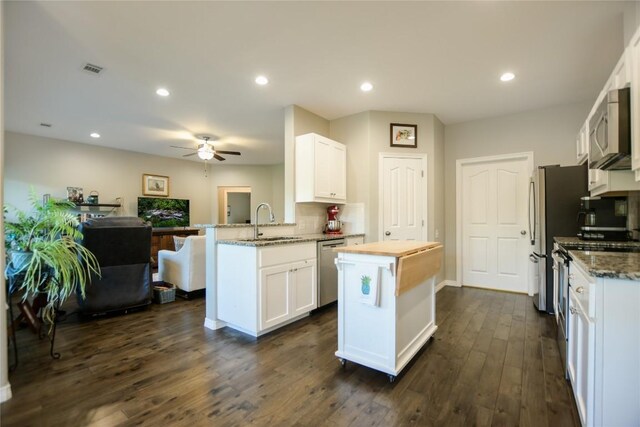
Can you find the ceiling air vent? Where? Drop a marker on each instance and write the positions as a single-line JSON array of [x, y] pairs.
[[46, 125], [92, 69]]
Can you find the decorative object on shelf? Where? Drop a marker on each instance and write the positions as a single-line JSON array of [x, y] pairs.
[[93, 198], [45, 256], [155, 185], [74, 194], [404, 135]]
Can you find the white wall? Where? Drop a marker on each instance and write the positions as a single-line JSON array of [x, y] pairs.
[[550, 133], [50, 165], [5, 387]]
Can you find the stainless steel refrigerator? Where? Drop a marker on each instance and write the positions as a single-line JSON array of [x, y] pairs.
[[554, 202]]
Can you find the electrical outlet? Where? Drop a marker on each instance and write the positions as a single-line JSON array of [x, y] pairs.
[[437, 233]]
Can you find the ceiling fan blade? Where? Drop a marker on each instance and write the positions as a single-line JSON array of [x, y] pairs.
[[183, 148], [222, 159], [187, 155], [235, 153]]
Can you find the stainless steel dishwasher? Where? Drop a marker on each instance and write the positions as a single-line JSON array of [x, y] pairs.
[[327, 271]]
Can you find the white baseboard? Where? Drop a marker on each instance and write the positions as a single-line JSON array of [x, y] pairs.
[[213, 324], [447, 283], [5, 392]]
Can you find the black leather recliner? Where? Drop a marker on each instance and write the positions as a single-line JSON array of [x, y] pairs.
[[122, 246]]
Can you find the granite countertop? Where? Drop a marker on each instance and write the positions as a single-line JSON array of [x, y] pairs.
[[267, 224], [287, 240], [615, 265], [569, 242]]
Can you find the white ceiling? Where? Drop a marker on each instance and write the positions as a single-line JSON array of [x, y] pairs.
[[433, 57]]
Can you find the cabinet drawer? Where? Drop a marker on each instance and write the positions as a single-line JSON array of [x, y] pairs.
[[583, 287], [281, 254]]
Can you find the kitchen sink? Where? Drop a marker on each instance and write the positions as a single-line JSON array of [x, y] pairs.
[[270, 239]]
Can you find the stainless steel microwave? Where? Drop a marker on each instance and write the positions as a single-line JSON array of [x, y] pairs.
[[610, 132]]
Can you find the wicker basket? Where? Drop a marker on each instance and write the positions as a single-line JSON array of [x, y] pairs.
[[163, 294]]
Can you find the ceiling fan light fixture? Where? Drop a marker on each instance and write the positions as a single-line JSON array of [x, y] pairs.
[[205, 152]]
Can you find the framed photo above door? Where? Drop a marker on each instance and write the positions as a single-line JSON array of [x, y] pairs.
[[404, 135]]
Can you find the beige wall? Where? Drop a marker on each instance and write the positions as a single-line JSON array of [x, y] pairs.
[[263, 180], [50, 165], [549, 133], [5, 388]]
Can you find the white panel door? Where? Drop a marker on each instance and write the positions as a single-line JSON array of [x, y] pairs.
[[494, 216], [402, 198]]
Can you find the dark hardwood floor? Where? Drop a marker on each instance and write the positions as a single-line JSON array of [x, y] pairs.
[[494, 361]]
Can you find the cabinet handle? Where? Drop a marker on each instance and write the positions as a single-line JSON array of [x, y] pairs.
[[580, 289], [573, 310]]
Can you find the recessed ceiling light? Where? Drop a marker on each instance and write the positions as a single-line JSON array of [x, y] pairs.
[[95, 135], [507, 77], [262, 80], [366, 87], [162, 92]]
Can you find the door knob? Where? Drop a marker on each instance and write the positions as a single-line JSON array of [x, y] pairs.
[[388, 233], [523, 232]]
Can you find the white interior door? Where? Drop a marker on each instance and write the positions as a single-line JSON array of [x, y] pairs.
[[403, 198], [494, 204]]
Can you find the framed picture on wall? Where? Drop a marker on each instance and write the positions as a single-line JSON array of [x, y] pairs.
[[404, 135], [74, 194], [155, 185]]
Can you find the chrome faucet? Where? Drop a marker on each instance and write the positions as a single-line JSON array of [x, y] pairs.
[[272, 218]]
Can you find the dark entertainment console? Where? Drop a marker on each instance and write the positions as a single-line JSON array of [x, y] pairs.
[[162, 238]]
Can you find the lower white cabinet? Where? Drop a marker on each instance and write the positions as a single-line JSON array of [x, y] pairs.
[[603, 355], [263, 288], [286, 291], [355, 240], [580, 356]]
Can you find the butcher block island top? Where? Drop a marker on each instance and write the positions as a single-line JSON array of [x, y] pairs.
[[394, 248]]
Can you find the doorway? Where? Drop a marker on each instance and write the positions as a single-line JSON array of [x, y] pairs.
[[402, 197], [234, 205], [491, 216]]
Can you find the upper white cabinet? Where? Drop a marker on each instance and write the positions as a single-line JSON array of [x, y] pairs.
[[625, 73], [633, 56], [582, 144], [320, 169]]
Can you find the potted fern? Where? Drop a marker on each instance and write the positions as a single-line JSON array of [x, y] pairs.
[[42, 247]]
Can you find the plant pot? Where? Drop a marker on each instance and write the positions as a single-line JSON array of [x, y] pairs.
[[19, 260]]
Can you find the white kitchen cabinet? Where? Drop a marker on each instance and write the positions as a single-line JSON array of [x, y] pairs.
[[604, 348], [320, 169], [602, 181], [580, 357], [582, 144], [263, 288]]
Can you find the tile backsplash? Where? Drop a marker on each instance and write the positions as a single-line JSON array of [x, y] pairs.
[[312, 217]]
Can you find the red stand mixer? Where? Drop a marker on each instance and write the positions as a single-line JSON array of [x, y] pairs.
[[333, 225]]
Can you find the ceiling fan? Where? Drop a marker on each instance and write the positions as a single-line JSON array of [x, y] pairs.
[[206, 151]]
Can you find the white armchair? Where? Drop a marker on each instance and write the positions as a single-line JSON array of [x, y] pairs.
[[185, 268]]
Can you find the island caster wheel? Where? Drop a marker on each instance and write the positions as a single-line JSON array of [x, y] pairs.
[[392, 378], [343, 362]]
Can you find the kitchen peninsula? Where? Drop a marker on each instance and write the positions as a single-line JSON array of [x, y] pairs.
[[386, 302]]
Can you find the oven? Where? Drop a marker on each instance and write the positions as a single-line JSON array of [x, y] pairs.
[[561, 261]]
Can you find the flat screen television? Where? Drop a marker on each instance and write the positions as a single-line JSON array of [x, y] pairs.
[[164, 212]]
